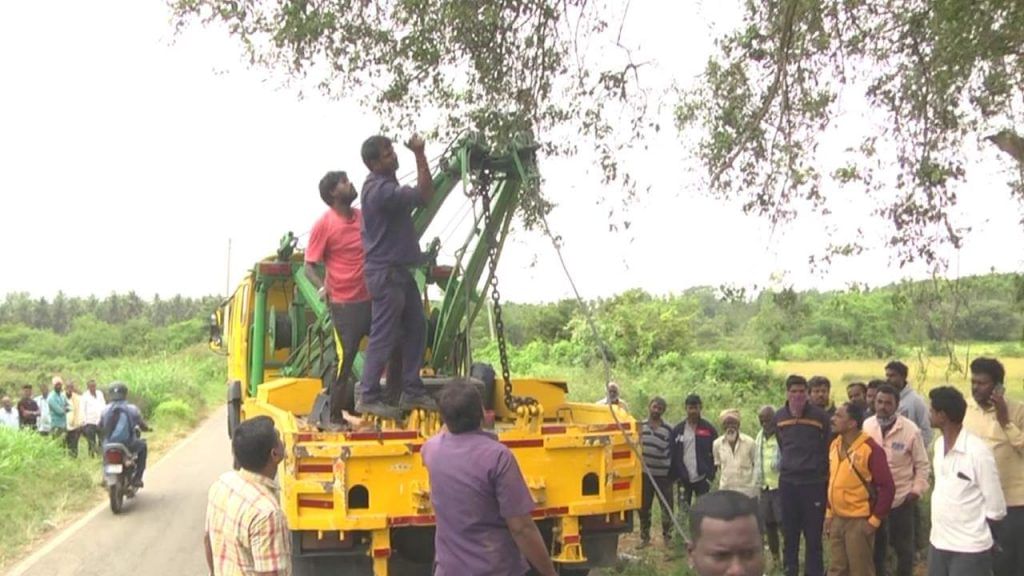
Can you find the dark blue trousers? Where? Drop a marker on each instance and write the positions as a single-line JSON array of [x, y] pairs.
[[803, 511], [398, 321]]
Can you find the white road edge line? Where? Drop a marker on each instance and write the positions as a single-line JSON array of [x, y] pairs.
[[23, 567]]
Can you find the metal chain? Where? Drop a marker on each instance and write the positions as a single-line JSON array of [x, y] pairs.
[[483, 190]]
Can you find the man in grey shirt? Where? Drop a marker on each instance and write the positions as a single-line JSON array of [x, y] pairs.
[[912, 406], [656, 438]]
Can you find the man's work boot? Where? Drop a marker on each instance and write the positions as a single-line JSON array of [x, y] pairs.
[[422, 401], [379, 409]]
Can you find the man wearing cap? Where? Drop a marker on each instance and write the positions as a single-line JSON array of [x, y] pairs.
[[734, 454], [693, 461]]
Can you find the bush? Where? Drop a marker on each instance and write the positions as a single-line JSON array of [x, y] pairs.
[[1012, 350], [90, 339], [174, 414]]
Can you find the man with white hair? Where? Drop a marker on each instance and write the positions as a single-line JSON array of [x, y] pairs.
[[612, 396], [8, 414], [735, 455]]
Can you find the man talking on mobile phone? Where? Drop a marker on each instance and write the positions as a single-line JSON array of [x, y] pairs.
[[999, 421]]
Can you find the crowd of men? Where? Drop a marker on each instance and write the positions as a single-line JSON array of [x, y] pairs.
[[64, 412], [853, 475]]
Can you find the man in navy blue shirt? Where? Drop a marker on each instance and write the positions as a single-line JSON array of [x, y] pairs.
[[389, 241], [804, 431]]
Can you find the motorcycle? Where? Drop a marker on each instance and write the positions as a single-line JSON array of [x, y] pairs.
[[118, 470]]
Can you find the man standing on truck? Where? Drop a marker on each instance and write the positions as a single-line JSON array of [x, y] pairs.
[[389, 240], [480, 500], [336, 241]]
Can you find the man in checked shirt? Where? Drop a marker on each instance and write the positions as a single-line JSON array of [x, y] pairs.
[[246, 533]]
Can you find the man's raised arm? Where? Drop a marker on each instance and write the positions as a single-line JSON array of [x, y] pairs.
[[424, 182]]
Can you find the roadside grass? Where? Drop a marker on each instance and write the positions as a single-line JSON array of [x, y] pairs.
[[39, 485], [41, 488]]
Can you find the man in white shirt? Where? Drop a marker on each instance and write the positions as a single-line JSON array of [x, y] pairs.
[[734, 454], [8, 414], [967, 492], [43, 422], [613, 396], [93, 404]]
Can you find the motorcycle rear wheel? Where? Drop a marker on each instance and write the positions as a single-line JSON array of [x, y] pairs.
[[116, 498]]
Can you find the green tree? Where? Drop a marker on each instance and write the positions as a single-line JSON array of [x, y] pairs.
[[780, 318], [91, 338], [938, 72], [637, 328]]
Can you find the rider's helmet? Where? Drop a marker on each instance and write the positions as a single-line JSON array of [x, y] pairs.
[[118, 391]]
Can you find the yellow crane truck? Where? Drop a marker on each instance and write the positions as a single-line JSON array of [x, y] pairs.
[[358, 499]]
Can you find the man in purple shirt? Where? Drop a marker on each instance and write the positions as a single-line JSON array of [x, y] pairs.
[[481, 502], [389, 241]]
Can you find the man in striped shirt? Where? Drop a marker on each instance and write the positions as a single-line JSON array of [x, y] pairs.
[[246, 532], [656, 437]]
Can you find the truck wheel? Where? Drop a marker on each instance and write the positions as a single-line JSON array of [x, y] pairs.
[[234, 417], [234, 406]]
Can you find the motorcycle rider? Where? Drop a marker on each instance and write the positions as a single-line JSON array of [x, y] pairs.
[[118, 424]]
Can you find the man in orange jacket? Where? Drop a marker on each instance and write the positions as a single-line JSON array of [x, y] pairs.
[[860, 494]]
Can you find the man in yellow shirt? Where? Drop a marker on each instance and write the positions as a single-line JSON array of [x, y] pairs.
[[999, 422]]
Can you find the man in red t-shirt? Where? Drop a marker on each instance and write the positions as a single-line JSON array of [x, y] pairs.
[[336, 241]]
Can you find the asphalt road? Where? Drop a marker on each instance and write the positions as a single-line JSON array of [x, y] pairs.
[[159, 532]]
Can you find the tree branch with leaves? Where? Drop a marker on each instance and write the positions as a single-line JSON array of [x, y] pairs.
[[500, 68], [938, 72]]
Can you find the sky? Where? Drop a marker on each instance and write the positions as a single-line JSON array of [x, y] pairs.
[[130, 158]]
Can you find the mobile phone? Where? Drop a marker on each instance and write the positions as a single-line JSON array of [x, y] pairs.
[[1000, 389]]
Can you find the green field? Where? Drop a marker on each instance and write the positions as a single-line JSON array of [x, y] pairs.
[[925, 373]]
